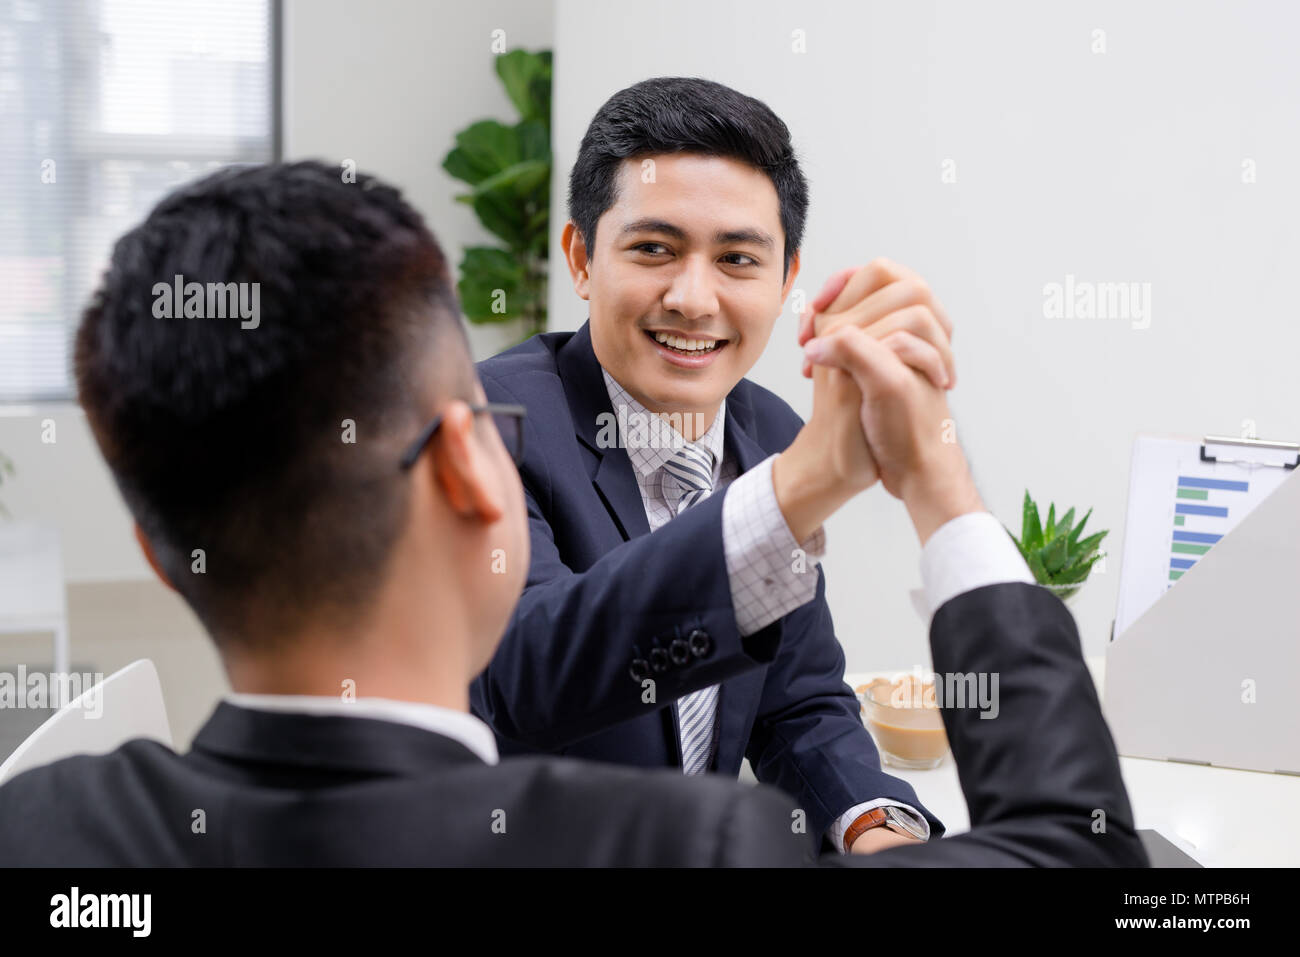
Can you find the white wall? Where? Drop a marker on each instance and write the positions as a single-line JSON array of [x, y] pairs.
[[387, 84], [1121, 166], [65, 483]]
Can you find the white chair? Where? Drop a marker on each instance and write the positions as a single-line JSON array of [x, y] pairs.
[[129, 705], [32, 594]]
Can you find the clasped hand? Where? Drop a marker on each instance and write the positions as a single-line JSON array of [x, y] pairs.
[[878, 348]]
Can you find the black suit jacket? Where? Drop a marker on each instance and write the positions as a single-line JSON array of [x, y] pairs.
[[607, 605], [266, 788], [1041, 780]]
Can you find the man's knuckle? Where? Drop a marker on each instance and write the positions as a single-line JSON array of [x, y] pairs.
[[915, 289]]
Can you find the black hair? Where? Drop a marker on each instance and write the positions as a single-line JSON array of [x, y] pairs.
[[684, 115], [228, 435]]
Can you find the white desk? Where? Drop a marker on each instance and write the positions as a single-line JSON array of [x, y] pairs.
[[1221, 817]]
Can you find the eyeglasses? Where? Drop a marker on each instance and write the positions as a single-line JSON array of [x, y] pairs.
[[509, 422]]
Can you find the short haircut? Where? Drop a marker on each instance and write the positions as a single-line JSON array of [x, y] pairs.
[[684, 115], [231, 436]]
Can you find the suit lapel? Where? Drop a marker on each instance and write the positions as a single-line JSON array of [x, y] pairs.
[[739, 439], [588, 398], [590, 408]]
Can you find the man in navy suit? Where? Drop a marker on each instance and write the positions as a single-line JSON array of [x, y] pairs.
[[662, 624]]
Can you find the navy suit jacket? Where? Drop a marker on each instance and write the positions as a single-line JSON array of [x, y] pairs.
[[607, 605]]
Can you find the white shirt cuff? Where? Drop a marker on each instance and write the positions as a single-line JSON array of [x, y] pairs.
[[842, 824], [770, 573], [968, 552]]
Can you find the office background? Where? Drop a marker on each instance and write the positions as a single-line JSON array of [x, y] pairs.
[[990, 146]]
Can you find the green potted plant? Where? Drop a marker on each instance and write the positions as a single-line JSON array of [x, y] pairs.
[[509, 170], [1058, 557]]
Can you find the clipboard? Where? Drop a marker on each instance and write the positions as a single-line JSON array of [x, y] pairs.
[[1206, 674]]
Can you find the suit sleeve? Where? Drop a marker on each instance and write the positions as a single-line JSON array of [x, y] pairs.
[[1038, 768], [567, 666], [760, 828]]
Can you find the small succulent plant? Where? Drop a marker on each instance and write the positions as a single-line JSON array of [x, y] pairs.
[[1054, 552]]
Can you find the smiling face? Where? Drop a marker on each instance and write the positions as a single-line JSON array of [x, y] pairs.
[[685, 283]]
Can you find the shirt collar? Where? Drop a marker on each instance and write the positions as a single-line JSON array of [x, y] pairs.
[[458, 725], [661, 439]]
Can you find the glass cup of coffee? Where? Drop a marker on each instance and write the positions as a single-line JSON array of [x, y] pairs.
[[905, 721]]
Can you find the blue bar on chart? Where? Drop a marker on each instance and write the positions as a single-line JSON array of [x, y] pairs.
[[1188, 545], [1227, 485]]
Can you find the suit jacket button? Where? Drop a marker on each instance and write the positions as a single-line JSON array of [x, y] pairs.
[[700, 642], [640, 670], [679, 651], [658, 659]]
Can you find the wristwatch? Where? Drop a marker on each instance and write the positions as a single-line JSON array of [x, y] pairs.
[[889, 817]]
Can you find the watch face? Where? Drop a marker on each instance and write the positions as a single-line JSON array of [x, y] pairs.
[[903, 823]]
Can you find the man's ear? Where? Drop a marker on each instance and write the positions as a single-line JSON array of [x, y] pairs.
[[575, 254], [789, 279], [151, 558], [463, 469]]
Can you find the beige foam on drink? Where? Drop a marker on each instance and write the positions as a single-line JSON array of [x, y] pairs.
[[904, 718]]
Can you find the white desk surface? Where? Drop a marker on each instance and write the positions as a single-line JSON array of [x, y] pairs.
[[1221, 817]]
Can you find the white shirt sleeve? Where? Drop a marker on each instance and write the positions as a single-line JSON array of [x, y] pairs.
[[770, 573], [968, 552]]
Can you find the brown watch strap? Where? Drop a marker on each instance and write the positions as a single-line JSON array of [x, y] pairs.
[[876, 817]]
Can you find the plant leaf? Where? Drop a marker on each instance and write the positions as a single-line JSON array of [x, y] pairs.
[[483, 149], [1036, 566], [1074, 534], [527, 80], [1077, 573], [1031, 535], [1063, 526], [502, 218], [515, 181], [1054, 555], [1091, 542], [534, 140], [484, 270]]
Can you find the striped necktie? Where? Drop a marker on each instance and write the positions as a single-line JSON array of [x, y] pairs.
[[691, 468]]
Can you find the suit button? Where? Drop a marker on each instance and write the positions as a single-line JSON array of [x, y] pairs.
[[658, 659], [700, 642], [679, 651], [640, 670]]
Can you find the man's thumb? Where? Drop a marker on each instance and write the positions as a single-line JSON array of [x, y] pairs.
[[860, 355]]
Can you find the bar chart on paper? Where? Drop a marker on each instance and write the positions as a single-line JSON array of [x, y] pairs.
[[1178, 508]]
